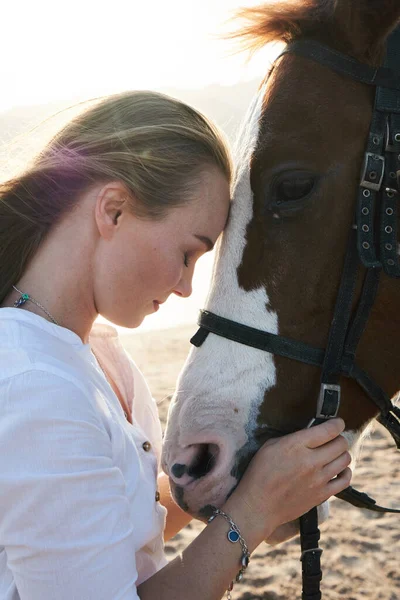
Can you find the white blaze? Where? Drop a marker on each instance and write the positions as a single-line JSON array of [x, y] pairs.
[[222, 385]]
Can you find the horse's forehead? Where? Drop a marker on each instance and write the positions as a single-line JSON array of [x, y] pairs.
[[227, 299], [340, 113]]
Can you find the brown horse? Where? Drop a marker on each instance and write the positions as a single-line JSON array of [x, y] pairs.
[[280, 260]]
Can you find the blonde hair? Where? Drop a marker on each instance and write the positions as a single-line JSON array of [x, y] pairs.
[[157, 146]]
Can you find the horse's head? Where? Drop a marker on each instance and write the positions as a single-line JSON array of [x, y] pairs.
[[280, 259]]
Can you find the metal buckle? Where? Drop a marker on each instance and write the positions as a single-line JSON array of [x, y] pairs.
[[389, 147], [371, 157], [327, 388]]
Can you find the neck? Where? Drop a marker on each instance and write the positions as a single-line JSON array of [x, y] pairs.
[[58, 313]]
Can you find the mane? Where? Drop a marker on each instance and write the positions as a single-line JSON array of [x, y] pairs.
[[283, 21], [351, 27]]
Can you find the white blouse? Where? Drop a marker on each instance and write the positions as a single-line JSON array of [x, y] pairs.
[[79, 519]]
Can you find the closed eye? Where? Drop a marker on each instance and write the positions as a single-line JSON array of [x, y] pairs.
[[206, 241]]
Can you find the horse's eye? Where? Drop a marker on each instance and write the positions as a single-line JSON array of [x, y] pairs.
[[293, 188]]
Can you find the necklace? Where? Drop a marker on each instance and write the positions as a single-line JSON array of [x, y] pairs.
[[27, 298]]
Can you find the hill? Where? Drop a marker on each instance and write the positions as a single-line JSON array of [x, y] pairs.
[[25, 129]]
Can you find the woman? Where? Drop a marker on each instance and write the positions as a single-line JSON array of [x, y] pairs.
[[110, 219]]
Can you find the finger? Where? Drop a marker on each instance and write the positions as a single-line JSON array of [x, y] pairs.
[[337, 466], [339, 483], [328, 452], [323, 433]]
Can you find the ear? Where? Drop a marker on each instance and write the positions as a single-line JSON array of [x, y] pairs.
[[111, 204], [365, 25]]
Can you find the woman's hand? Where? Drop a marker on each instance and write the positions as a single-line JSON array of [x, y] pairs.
[[290, 475]]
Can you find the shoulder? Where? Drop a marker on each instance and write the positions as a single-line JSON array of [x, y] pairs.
[[40, 407], [29, 343]]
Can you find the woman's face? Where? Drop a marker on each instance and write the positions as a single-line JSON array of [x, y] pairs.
[[148, 260]]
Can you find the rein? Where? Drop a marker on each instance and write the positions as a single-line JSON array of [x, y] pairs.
[[372, 247]]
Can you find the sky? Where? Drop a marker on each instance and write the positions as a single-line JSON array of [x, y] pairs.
[[59, 51], [53, 50]]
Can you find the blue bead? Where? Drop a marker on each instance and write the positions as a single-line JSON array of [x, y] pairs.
[[233, 536], [20, 302]]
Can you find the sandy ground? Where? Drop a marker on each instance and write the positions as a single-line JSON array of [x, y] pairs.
[[361, 556]]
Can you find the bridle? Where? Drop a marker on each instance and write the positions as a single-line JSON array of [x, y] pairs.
[[372, 246]]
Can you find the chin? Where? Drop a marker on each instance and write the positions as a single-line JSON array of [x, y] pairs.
[[133, 322], [129, 322]]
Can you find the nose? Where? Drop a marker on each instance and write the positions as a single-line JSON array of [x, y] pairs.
[[194, 462], [184, 287]]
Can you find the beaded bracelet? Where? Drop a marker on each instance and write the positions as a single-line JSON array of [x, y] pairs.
[[234, 536]]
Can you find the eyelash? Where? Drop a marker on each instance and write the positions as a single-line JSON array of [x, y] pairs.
[[186, 259]]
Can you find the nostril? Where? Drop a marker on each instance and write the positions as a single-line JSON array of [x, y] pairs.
[[204, 461], [178, 470], [193, 462]]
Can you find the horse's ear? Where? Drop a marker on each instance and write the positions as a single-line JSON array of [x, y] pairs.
[[366, 24]]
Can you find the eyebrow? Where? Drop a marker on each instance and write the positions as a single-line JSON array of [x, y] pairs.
[[206, 241]]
